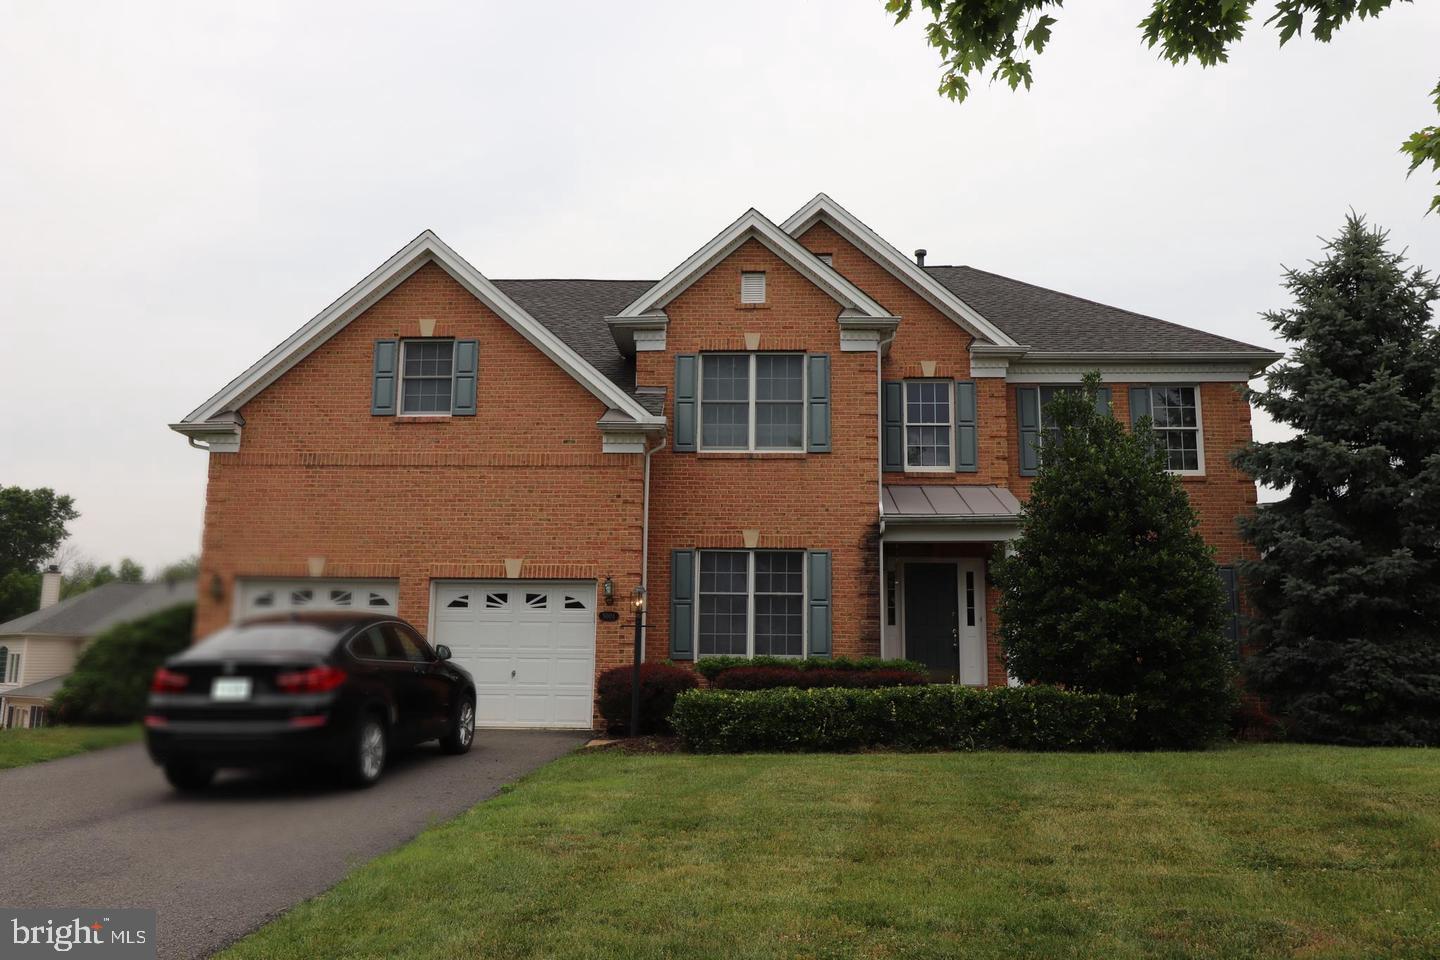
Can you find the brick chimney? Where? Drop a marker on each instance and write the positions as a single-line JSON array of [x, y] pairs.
[[50, 586]]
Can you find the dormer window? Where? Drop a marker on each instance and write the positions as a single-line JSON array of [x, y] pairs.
[[752, 286], [427, 377]]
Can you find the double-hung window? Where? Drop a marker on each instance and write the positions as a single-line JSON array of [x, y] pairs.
[[752, 603], [427, 377], [1175, 415], [928, 425], [752, 401]]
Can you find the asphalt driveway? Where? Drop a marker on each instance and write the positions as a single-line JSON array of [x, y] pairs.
[[104, 830]]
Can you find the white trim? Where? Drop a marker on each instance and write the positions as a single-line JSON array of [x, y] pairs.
[[1029, 373], [752, 224], [843, 222], [424, 249], [1199, 427], [949, 530]]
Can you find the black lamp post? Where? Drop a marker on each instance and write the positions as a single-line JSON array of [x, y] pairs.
[[635, 673]]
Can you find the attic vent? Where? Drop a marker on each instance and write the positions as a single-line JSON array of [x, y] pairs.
[[752, 287], [828, 259]]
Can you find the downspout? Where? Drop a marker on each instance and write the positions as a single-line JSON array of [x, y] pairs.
[[880, 346], [645, 543]]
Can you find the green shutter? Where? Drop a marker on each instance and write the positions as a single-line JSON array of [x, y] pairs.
[[382, 387], [1027, 399], [686, 371], [467, 365], [817, 407], [1139, 404], [892, 416], [966, 441], [682, 605], [818, 562]]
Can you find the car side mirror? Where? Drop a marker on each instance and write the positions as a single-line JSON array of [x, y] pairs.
[[442, 651]]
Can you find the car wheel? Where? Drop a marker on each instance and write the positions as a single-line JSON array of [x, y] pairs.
[[368, 752], [462, 728], [188, 777]]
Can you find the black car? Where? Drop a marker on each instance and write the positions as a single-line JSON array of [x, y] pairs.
[[340, 689]]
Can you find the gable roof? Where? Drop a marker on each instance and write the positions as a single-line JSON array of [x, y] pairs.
[[752, 224], [823, 209], [426, 248], [575, 311], [95, 610], [1053, 322]]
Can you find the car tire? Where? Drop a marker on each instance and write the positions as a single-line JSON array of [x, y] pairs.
[[461, 732], [368, 750], [189, 777]]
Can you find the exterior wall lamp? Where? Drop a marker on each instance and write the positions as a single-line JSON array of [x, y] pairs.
[[607, 590]]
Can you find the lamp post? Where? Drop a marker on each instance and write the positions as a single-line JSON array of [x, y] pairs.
[[635, 673]]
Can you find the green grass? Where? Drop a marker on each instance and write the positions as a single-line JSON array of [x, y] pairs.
[[1269, 851], [19, 747]]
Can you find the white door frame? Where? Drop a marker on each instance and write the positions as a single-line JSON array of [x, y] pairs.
[[962, 565]]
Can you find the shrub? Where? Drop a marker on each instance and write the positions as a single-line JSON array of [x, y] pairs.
[[712, 667], [766, 678], [660, 684], [112, 675], [930, 717]]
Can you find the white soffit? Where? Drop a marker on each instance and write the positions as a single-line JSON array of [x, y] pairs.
[[896, 263], [426, 248]]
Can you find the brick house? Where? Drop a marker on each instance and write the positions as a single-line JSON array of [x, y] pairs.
[[798, 441]]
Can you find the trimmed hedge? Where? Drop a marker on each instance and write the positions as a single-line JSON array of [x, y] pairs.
[[932, 717], [767, 678], [660, 684], [712, 667]]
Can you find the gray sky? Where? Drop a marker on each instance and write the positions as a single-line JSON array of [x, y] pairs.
[[182, 185]]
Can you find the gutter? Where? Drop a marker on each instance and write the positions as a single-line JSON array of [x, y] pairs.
[[645, 541]]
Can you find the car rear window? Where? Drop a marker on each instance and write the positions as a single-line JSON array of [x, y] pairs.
[[265, 638]]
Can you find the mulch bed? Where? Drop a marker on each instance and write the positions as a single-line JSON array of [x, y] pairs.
[[651, 744]]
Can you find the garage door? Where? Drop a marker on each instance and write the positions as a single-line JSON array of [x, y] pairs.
[[259, 597], [529, 644]]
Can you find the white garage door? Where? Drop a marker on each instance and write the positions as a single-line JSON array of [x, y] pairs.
[[259, 597], [529, 644]]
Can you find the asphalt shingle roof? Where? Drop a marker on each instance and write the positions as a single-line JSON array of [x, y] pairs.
[[1045, 320], [95, 610], [1048, 320]]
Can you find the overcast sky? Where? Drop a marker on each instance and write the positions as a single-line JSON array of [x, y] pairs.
[[182, 185]]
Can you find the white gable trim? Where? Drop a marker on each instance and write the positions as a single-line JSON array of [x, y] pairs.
[[752, 224], [896, 263], [426, 248]]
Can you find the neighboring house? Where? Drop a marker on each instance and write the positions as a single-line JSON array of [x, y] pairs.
[[800, 440], [38, 650]]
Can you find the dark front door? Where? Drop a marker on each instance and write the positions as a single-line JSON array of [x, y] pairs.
[[932, 627]]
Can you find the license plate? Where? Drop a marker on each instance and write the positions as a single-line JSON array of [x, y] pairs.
[[230, 688]]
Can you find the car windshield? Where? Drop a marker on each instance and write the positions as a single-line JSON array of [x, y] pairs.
[[265, 638]]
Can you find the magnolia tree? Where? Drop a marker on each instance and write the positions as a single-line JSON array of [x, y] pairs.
[[1346, 593], [1109, 587]]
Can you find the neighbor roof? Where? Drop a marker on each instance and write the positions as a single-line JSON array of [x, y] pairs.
[[39, 690], [98, 609], [1050, 321]]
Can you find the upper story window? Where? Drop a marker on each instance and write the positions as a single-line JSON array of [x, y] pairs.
[[9, 666], [1175, 414], [927, 425], [427, 376], [752, 603], [752, 286], [1036, 419], [752, 401]]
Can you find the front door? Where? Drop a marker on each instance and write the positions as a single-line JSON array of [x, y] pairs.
[[932, 621]]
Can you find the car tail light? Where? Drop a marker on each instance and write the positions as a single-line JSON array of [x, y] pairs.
[[153, 721], [315, 680], [309, 722], [168, 681]]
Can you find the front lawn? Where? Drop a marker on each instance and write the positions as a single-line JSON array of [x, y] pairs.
[[1267, 851], [19, 747]]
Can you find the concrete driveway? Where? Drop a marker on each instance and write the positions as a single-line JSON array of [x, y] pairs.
[[104, 830]]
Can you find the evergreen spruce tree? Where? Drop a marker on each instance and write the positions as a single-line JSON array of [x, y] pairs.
[[1346, 590], [1110, 587]]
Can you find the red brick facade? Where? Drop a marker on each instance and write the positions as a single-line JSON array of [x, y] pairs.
[[526, 478]]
